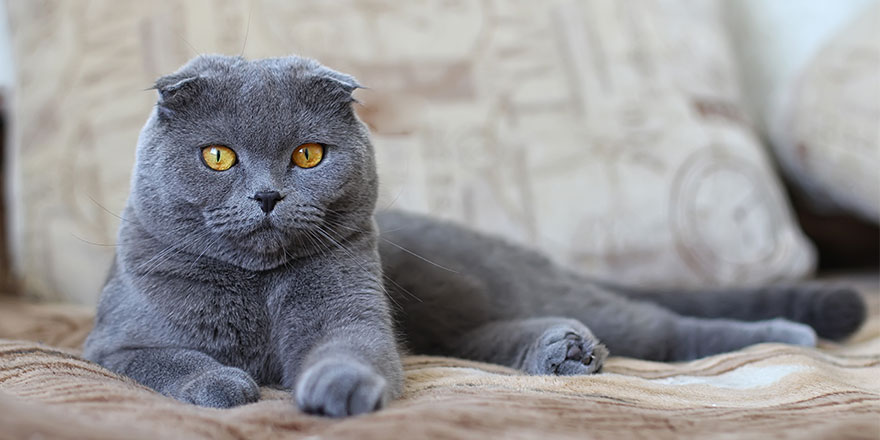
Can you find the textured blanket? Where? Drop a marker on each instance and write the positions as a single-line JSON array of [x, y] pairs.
[[764, 391]]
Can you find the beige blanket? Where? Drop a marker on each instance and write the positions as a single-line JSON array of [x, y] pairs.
[[764, 391]]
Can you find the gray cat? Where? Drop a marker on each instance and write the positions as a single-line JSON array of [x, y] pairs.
[[249, 255]]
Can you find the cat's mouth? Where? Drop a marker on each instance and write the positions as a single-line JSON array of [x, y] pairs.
[[271, 237], [265, 224], [264, 239]]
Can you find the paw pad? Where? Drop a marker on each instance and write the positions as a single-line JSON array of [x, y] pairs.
[[577, 351]]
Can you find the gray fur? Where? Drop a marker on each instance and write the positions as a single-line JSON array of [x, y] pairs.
[[210, 297], [453, 283]]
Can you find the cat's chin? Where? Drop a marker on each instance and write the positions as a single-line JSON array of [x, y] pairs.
[[253, 258], [265, 248]]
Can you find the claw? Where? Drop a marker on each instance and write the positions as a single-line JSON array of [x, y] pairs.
[[588, 359]]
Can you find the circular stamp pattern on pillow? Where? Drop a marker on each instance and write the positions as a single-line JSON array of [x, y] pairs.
[[727, 218]]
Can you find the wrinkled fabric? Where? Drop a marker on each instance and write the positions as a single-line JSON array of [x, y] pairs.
[[768, 390]]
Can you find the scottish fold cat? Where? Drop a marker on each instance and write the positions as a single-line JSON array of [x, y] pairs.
[[249, 254]]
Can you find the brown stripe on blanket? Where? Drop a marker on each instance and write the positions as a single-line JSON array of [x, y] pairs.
[[763, 391]]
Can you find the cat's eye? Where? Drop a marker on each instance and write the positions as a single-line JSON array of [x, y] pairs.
[[308, 155], [218, 157]]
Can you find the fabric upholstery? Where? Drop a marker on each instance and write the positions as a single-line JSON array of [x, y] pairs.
[[764, 391], [608, 134]]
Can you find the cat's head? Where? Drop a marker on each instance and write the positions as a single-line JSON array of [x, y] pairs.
[[252, 162]]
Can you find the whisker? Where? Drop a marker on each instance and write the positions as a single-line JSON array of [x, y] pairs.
[[154, 257], [169, 252], [315, 242], [425, 259], [312, 235], [92, 242], [247, 30], [351, 254], [105, 208], [406, 178], [205, 250], [179, 35], [280, 242], [394, 200], [418, 256], [331, 211]]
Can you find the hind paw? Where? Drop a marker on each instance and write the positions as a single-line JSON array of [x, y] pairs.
[[788, 332], [565, 350]]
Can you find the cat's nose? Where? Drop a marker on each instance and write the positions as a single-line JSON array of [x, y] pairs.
[[267, 199]]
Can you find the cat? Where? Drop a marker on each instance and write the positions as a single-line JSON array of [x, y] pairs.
[[249, 254]]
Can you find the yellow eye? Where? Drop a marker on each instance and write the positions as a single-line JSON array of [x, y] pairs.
[[308, 155], [218, 157]]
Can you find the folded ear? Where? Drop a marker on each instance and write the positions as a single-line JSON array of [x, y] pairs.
[[175, 91], [338, 85]]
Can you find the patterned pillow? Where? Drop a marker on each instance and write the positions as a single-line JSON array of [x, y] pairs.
[[827, 135], [608, 134]]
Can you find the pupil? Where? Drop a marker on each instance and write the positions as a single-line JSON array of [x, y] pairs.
[[306, 153], [217, 152]]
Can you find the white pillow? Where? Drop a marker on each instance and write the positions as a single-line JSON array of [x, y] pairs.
[[811, 70], [608, 134]]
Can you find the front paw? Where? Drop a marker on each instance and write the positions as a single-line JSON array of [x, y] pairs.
[[223, 387], [565, 350], [339, 389]]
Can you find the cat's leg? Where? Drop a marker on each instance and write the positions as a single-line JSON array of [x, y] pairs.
[[834, 311], [565, 346], [548, 345], [336, 343], [505, 281], [354, 370], [186, 375], [647, 331], [698, 337]]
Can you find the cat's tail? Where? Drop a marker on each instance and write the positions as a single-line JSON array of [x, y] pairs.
[[834, 311]]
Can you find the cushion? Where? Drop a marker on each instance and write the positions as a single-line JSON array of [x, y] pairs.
[[810, 67], [609, 136], [828, 135]]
